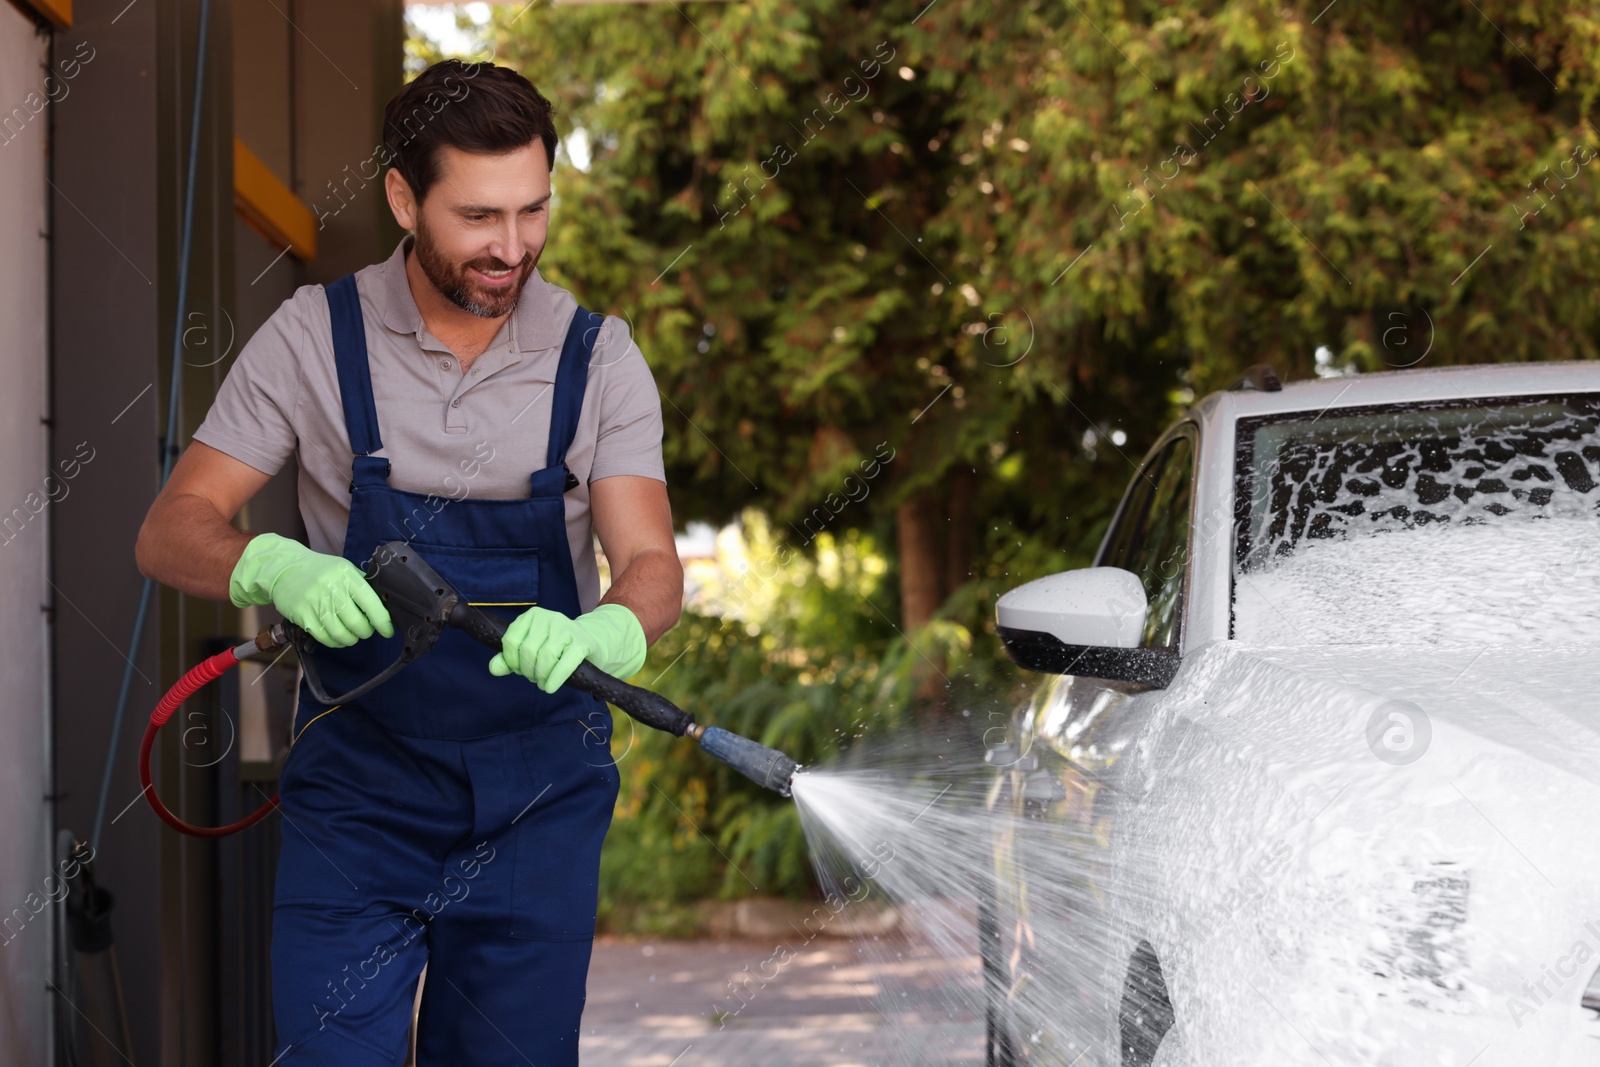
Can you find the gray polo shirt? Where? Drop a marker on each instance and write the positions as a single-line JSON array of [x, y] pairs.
[[480, 434]]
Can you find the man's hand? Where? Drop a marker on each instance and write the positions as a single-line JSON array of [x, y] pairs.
[[325, 595], [545, 646]]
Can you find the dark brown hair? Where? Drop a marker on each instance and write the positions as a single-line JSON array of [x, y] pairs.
[[475, 107]]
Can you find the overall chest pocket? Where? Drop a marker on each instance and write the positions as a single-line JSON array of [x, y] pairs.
[[487, 577]]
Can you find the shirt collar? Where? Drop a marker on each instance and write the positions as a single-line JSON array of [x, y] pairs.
[[536, 322]]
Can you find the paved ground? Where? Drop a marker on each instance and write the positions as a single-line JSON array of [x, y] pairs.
[[832, 1002]]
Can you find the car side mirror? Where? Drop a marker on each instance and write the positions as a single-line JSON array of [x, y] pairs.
[[1085, 622]]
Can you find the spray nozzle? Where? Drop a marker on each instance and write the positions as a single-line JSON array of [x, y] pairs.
[[767, 767]]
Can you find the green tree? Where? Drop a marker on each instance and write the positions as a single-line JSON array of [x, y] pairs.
[[835, 226], [1142, 197], [1250, 181], [760, 202]]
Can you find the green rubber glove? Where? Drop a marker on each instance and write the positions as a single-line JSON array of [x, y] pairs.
[[325, 595], [545, 646]]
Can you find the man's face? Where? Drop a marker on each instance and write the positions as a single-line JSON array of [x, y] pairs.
[[482, 227]]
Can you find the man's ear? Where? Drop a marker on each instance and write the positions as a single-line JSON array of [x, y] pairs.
[[401, 202]]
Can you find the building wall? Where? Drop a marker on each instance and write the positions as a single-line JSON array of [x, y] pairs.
[[119, 158], [338, 112], [265, 50], [26, 502], [118, 162]]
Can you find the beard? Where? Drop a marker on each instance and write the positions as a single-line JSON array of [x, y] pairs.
[[463, 289]]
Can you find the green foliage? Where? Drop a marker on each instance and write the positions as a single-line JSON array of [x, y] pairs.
[[987, 237], [1248, 181], [761, 204], [793, 664], [824, 218], [1244, 182]]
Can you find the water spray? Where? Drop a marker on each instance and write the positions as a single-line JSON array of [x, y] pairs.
[[421, 605]]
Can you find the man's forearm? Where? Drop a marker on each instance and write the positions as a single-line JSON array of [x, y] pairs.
[[652, 588], [187, 545]]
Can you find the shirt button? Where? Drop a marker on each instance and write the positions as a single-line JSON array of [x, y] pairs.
[[455, 403], [445, 363]]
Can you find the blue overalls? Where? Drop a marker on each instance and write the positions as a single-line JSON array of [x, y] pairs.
[[447, 817]]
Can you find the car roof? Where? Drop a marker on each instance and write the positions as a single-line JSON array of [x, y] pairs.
[[1404, 386]]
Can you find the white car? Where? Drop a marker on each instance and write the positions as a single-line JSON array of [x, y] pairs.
[[1318, 778]]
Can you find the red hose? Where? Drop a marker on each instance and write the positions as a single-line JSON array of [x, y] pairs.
[[197, 678]]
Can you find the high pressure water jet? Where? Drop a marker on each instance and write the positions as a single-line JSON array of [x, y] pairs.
[[422, 604]]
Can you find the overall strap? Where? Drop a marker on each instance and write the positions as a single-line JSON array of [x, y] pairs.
[[572, 376], [350, 356]]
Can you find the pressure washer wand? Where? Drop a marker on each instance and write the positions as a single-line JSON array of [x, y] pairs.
[[422, 604], [767, 767]]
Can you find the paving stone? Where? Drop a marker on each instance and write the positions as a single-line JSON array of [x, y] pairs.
[[787, 1002]]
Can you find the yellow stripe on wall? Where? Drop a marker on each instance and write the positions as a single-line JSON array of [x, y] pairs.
[[269, 205], [57, 12]]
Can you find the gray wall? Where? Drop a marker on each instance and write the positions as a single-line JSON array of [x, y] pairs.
[[309, 101], [118, 160], [27, 501], [118, 163]]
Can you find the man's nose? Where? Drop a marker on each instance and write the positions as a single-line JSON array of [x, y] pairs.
[[509, 247]]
